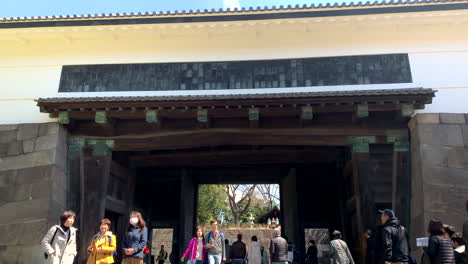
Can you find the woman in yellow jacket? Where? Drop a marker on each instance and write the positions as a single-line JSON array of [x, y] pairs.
[[103, 246]]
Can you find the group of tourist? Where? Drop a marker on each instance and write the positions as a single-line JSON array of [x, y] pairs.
[[444, 246], [59, 244], [214, 249]]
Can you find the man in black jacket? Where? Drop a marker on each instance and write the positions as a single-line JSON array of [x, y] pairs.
[[396, 246]]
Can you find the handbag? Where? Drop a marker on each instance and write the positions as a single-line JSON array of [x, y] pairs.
[[46, 256], [146, 250]]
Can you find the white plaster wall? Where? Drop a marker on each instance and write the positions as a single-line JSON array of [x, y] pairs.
[[446, 72], [30, 62]]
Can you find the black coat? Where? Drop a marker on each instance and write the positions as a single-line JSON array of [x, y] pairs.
[[440, 250], [312, 255], [396, 247], [371, 256]]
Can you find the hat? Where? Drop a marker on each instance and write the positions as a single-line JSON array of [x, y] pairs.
[[388, 212]]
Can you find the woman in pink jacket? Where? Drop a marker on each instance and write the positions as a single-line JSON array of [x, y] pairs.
[[196, 248]]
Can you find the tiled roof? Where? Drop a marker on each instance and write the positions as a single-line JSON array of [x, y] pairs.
[[353, 93], [236, 11]]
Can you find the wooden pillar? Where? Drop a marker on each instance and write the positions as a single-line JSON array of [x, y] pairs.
[[401, 197], [188, 201], [289, 208], [95, 169]]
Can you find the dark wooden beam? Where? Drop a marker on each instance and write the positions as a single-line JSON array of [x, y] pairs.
[[320, 136], [238, 157]]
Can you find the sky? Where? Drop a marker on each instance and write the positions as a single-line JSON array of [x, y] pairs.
[[28, 8]]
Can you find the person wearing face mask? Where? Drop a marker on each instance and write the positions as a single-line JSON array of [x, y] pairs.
[[59, 244], [135, 240], [103, 245]]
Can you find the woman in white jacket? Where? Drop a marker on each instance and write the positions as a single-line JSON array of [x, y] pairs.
[[254, 255], [59, 244]]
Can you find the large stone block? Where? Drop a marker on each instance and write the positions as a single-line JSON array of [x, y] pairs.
[[8, 177], [3, 149], [22, 192], [451, 135], [428, 134], [435, 155], [447, 118], [458, 158], [426, 118], [46, 142], [465, 135], [450, 177], [34, 174], [47, 128], [28, 145], [30, 254], [24, 211], [446, 203], [27, 131], [41, 189], [9, 235], [10, 254], [8, 127], [45, 157], [7, 136], [15, 148], [31, 233]]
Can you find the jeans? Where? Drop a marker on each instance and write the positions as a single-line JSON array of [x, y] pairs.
[[238, 261], [214, 259], [194, 261]]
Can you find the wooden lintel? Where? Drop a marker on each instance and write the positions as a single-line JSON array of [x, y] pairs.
[[238, 157], [338, 136]]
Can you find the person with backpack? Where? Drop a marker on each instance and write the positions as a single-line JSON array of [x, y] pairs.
[[103, 245], [59, 244], [215, 244], [162, 256], [134, 241], [396, 246]]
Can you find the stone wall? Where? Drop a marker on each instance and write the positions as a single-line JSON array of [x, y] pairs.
[[439, 147], [32, 188]]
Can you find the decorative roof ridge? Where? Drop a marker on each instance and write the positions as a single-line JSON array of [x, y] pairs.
[[228, 11]]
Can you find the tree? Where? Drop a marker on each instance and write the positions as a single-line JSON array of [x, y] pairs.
[[211, 202], [239, 197], [270, 194]]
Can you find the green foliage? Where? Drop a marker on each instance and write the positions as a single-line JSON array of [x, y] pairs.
[[211, 202]]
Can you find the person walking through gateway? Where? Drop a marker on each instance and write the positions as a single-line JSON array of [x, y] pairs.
[[312, 253], [371, 246], [162, 256], [440, 249], [339, 250], [238, 251], [255, 255], [196, 248], [278, 249], [59, 244], [460, 249], [135, 239], [396, 247], [215, 244], [103, 245]]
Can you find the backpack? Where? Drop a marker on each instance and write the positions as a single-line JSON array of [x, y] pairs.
[[114, 253], [208, 237]]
